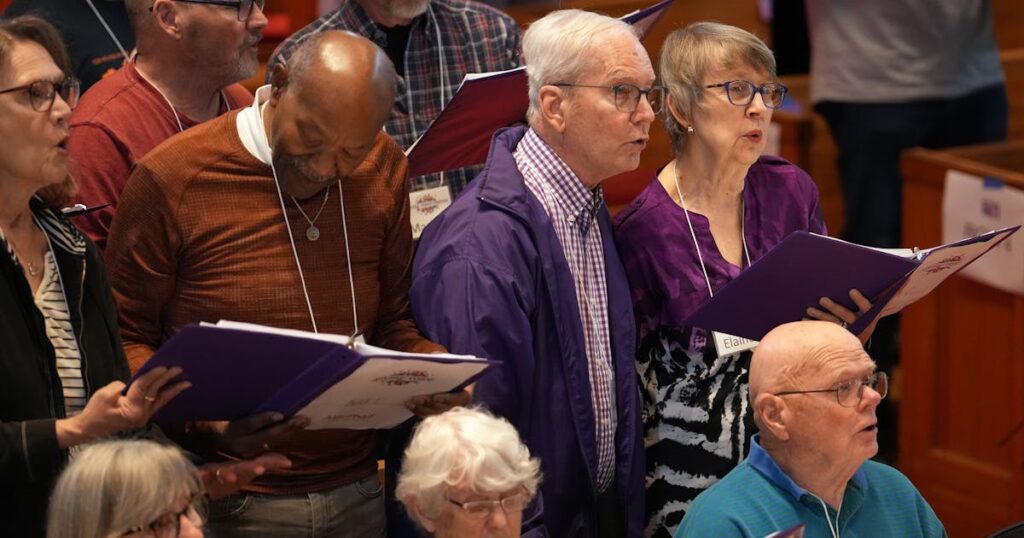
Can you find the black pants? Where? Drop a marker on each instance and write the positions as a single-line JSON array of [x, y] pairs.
[[871, 136]]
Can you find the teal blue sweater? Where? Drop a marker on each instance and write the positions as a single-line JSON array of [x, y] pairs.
[[757, 498]]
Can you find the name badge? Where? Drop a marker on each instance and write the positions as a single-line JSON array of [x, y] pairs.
[[727, 344], [425, 205]]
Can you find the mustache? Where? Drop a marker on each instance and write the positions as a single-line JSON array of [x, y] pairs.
[[302, 167]]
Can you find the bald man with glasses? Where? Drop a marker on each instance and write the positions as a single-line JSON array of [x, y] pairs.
[[814, 391], [190, 56]]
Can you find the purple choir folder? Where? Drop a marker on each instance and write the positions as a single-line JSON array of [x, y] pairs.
[[238, 370], [804, 267], [485, 102]]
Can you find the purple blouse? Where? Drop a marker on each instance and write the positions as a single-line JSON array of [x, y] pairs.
[[654, 241]]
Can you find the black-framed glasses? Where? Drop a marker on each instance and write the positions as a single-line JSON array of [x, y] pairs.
[[482, 509], [41, 93], [627, 96], [244, 7], [850, 393], [741, 92], [169, 525]]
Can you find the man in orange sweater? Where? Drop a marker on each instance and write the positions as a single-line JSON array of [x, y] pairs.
[[292, 213]]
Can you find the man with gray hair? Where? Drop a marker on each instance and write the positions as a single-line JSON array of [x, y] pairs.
[[466, 474], [522, 269], [814, 391], [190, 56]]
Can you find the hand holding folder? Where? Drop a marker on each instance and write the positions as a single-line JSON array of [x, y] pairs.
[[778, 287], [239, 370]]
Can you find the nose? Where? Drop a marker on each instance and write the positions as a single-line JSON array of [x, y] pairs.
[[189, 527], [257, 19], [757, 105], [643, 113], [61, 110], [323, 165], [498, 518], [870, 399]]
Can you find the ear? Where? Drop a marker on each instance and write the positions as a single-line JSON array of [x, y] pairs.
[[414, 507], [673, 108], [167, 17], [553, 107], [772, 414], [278, 82]]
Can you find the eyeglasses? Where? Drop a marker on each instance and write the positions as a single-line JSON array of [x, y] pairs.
[[169, 525], [483, 509], [741, 92], [627, 96], [850, 393], [41, 93], [244, 7]]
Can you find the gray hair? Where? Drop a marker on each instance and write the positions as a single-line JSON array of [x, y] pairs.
[[562, 45], [688, 54], [114, 486], [468, 447]]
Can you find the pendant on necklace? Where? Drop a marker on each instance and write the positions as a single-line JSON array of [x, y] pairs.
[[312, 233]]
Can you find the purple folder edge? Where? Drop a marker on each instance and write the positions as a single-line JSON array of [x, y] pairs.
[[871, 315]]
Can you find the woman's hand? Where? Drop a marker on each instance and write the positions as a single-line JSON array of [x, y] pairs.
[[108, 411], [837, 313], [225, 478]]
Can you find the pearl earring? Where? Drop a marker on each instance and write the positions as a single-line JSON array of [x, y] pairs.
[[689, 129]]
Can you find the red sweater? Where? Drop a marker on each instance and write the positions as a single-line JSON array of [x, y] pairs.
[[116, 123]]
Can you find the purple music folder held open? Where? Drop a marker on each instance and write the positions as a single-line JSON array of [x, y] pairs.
[[780, 286], [237, 372]]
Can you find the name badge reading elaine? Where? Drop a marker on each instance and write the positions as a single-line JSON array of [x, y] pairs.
[[727, 344], [426, 204]]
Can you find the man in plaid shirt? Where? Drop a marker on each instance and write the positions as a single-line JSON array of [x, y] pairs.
[[433, 44]]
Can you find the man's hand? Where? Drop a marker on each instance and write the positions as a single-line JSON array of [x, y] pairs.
[[224, 478], [251, 436], [108, 411], [837, 313], [434, 404]]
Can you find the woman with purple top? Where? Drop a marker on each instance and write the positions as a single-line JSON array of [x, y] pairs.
[[717, 206]]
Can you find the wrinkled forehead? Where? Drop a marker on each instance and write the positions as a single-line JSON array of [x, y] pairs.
[[838, 366], [620, 57], [26, 61]]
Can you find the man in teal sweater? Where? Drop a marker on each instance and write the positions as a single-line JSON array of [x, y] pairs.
[[814, 391]]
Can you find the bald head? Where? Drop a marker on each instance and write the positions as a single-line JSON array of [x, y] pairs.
[[796, 352], [326, 110], [341, 70]]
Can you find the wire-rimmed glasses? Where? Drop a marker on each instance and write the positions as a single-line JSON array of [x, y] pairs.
[[482, 509], [850, 393]]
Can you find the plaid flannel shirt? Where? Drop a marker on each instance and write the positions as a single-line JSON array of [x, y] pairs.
[[472, 38]]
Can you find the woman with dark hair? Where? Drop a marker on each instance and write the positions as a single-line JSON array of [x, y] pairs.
[[61, 362]]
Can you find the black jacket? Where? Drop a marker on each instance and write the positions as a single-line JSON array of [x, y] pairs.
[[30, 393]]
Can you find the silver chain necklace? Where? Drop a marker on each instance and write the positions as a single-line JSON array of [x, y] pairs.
[[313, 233]]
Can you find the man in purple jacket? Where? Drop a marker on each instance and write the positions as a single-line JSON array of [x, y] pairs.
[[522, 269]]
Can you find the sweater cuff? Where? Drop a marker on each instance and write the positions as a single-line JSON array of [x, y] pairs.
[[43, 455]]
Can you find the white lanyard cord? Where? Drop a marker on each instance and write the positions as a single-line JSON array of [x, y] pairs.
[[833, 530], [295, 253], [106, 27], [348, 260], [177, 119], [743, 231]]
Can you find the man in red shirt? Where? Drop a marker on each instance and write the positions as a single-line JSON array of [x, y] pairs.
[[190, 55]]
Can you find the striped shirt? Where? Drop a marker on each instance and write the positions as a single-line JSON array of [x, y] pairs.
[[52, 304], [573, 211], [453, 38]]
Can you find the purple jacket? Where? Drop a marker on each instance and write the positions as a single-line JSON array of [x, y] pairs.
[[490, 278]]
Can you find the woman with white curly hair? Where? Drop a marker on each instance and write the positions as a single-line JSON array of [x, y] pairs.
[[467, 474]]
